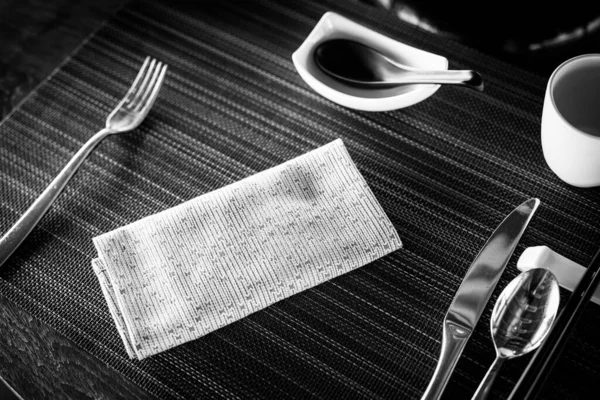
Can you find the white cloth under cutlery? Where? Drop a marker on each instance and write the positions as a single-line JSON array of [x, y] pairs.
[[177, 275]]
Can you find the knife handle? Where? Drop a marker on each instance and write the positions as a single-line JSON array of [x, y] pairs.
[[454, 340]]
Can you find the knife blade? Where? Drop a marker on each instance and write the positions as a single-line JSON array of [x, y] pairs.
[[474, 293]]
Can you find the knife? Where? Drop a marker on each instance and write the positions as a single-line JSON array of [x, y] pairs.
[[474, 292]]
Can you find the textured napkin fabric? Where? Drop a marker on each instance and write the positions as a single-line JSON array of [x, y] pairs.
[[180, 274]]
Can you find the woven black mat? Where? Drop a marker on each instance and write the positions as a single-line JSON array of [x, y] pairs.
[[446, 171]]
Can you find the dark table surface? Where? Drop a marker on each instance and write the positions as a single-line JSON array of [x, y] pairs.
[[37, 36]]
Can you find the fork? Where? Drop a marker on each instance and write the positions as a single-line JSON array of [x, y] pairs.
[[126, 116]]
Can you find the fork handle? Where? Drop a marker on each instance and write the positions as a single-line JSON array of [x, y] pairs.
[[19, 231]]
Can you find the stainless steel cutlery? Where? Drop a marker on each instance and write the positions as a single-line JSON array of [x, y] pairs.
[[474, 292]]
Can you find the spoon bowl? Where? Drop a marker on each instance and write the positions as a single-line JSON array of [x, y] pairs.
[[521, 319], [359, 65]]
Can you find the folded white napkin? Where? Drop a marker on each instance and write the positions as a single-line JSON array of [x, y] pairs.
[[177, 275]]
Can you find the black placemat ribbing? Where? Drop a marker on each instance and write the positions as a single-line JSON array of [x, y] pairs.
[[446, 171]]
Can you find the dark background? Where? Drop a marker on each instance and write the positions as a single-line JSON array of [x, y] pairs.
[[535, 36], [37, 36]]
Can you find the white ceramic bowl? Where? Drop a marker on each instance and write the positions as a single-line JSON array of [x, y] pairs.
[[334, 26]]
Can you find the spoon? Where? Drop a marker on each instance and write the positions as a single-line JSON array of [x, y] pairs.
[[362, 66], [522, 317]]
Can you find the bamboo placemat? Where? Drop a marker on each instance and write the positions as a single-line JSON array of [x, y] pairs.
[[446, 171]]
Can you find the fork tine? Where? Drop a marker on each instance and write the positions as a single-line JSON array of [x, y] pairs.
[[130, 95], [144, 97], [149, 101], [142, 87], [138, 78]]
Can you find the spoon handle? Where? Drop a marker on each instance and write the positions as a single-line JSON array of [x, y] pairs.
[[456, 77], [484, 387]]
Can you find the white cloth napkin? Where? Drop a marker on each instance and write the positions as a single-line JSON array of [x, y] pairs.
[[177, 275]]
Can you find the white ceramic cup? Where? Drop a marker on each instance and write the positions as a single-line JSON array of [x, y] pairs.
[[571, 121]]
